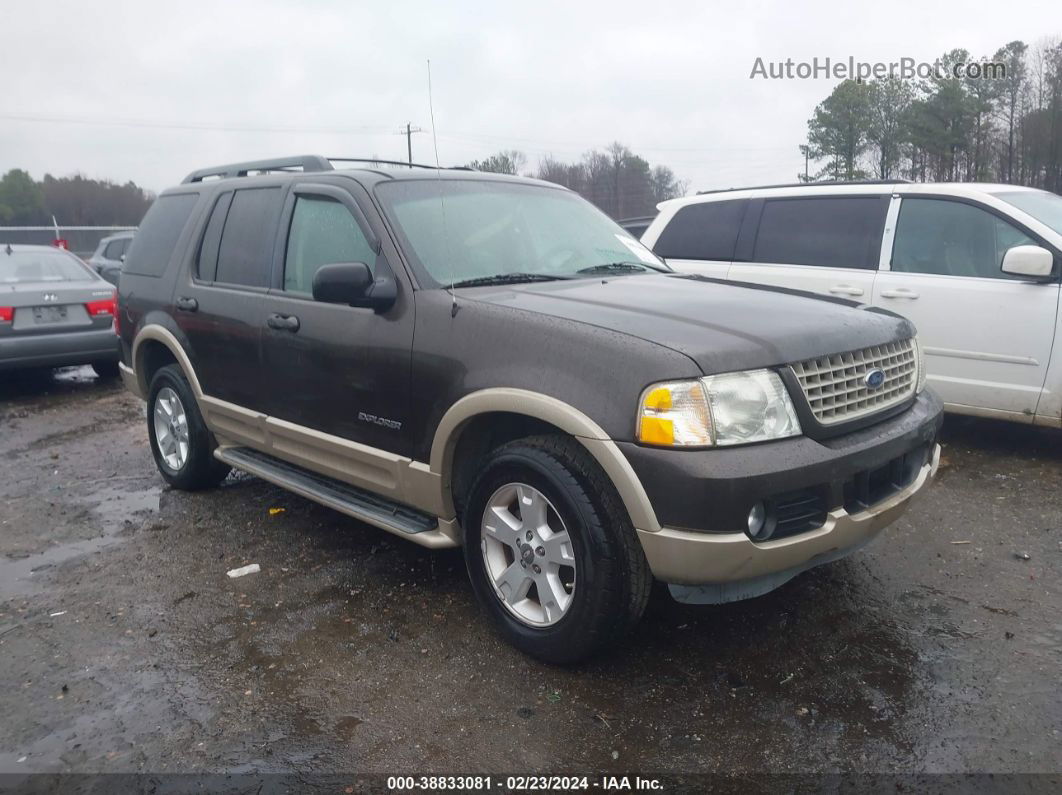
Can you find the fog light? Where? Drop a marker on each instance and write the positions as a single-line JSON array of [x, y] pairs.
[[757, 520]]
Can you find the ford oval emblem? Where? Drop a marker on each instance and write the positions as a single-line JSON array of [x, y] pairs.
[[874, 379]]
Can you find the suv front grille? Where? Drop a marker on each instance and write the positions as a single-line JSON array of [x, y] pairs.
[[835, 385]]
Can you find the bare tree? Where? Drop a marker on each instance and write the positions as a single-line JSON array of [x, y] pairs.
[[508, 161]]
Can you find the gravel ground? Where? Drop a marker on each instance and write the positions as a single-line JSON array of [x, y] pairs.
[[125, 648]]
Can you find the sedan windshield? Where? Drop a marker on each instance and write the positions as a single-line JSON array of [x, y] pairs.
[[1043, 206], [40, 265], [471, 233]]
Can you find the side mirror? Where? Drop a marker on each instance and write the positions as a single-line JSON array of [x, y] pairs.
[[122, 258], [1028, 261], [352, 283]]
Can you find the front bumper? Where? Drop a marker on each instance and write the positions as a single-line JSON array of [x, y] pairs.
[[720, 486], [59, 350], [739, 568]]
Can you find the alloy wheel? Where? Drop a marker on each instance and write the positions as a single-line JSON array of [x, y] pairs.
[[528, 555], [171, 428]]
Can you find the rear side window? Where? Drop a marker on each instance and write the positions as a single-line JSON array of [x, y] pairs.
[[831, 232], [322, 232], [158, 233], [707, 230], [207, 262], [246, 253]]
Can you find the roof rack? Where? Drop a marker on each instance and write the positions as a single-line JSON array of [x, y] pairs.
[[402, 163], [299, 162], [303, 162], [806, 184], [380, 162]]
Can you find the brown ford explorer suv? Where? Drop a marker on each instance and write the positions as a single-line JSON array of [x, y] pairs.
[[466, 359]]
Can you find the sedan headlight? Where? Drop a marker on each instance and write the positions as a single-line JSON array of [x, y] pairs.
[[718, 410]]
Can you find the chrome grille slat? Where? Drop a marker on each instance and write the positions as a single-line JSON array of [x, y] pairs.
[[834, 388]]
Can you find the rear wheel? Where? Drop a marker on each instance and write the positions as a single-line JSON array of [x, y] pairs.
[[181, 443], [551, 552], [106, 369]]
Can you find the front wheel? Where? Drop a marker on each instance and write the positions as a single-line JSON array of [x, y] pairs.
[[551, 552], [181, 443]]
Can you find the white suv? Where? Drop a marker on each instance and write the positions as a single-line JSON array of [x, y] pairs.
[[975, 266]]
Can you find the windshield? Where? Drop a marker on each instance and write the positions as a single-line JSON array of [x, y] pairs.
[[1043, 206], [40, 265], [483, 232]]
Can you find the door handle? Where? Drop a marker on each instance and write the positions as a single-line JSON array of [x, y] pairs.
[[185, 304], [899, 292], [846, 289], [283, 322]]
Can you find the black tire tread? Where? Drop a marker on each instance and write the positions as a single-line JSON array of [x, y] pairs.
[[106, 369], [202, 470], [623, 564]]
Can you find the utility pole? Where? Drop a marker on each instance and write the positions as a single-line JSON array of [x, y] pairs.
[[408, 132]]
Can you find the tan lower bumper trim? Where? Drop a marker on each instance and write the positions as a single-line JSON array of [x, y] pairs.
[[682, 557]]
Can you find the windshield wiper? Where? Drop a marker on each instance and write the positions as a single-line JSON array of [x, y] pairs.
[[507, 278], [617, 267]]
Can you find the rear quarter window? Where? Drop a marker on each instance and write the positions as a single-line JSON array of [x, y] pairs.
[[706, 231], [152, 248], [838, 232]]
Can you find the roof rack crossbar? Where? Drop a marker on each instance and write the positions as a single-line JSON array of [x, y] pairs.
[[305, 162], [807, 184], [403, 163], [380, 162]]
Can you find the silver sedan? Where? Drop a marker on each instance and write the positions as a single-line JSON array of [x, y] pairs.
[[55, 311]]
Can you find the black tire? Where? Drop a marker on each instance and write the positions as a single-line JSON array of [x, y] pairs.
[[613, 577], [106, 369], [200, 469]]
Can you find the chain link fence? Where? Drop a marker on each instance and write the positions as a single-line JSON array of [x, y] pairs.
[[81, 240]]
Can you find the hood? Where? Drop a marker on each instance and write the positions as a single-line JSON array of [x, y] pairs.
[[722, 326]]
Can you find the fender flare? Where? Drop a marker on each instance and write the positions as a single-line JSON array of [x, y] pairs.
[[166, 337], [556, 413]]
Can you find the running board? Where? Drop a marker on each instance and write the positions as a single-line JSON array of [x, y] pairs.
[[350, 500]]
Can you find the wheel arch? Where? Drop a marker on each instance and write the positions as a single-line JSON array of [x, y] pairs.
[[154, 347], [542, 412]]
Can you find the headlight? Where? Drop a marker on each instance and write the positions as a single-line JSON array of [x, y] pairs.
[[718, 410], [675, 414], [920, 363]]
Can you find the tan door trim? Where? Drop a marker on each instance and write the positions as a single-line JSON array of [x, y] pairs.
[[422, 486]]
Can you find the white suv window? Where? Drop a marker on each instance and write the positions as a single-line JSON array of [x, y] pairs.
[[950, 238], [838, 232]]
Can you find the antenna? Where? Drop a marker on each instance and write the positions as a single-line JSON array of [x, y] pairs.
[[442, 199]]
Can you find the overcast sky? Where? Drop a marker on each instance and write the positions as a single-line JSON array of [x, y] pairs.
[[147, 91]]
